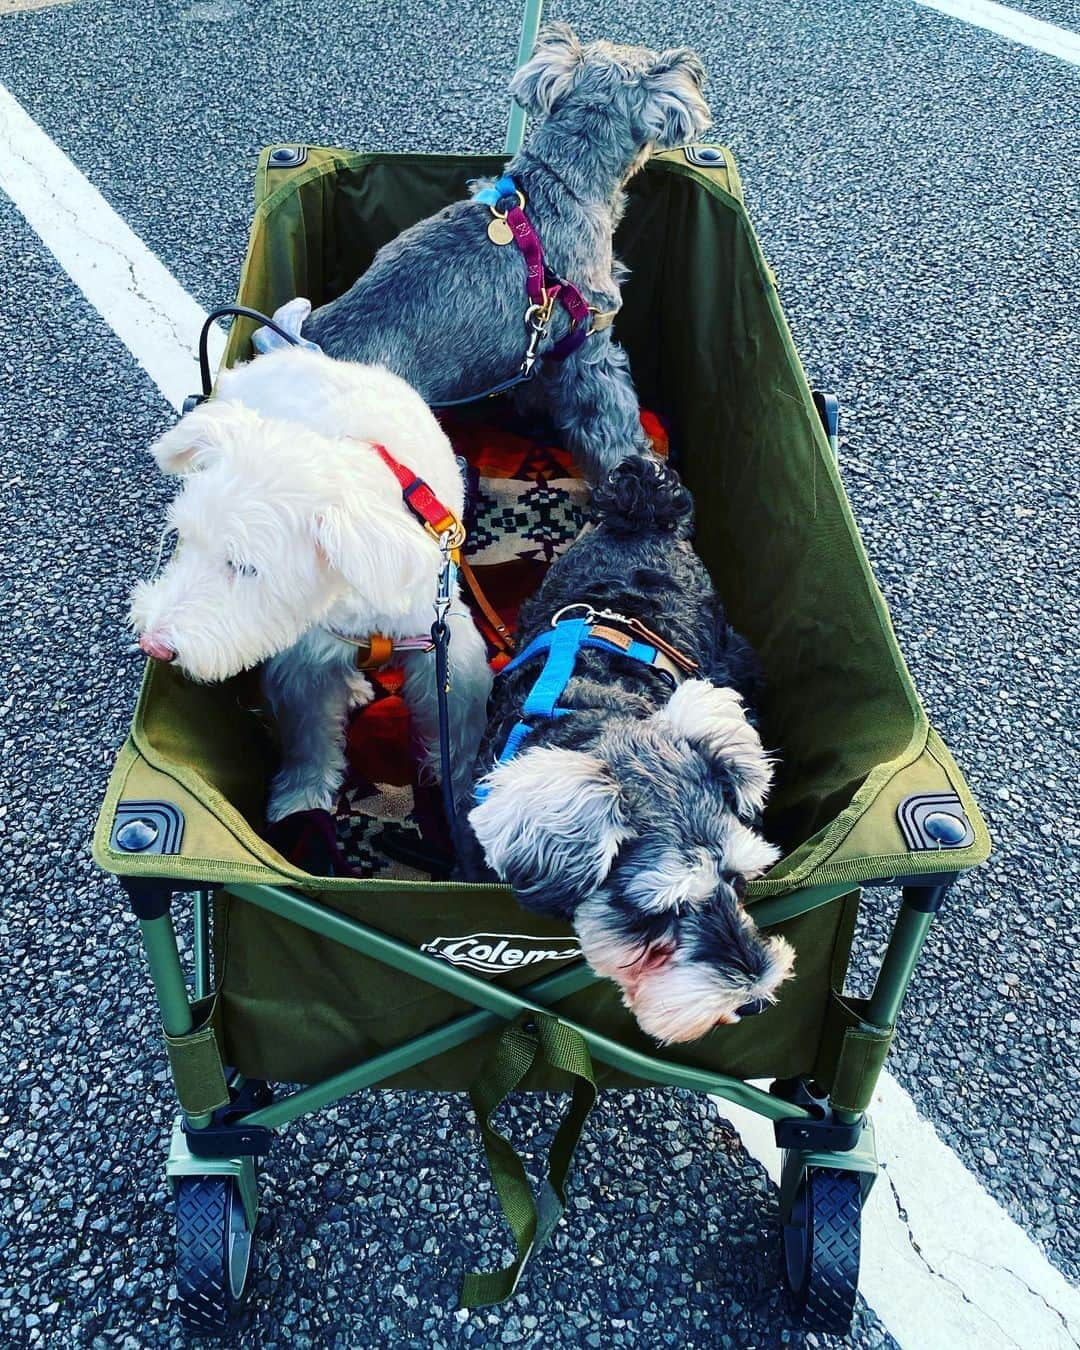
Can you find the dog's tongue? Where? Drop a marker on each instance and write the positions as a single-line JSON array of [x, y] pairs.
[[155, 649]]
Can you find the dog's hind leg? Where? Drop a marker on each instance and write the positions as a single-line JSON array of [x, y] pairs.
[[592, 401], [470, 685], [309, 693]]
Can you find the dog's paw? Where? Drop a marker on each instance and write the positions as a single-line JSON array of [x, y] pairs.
[[302, 787], [361, 690]]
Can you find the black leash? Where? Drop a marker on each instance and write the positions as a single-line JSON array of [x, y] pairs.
[[488, 393], [440, 636], [537, 324], [241, 312]]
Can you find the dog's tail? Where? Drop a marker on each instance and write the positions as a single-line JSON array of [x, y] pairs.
[[641, 496]]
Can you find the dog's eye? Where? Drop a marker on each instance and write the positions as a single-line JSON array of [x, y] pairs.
[[241, 569]]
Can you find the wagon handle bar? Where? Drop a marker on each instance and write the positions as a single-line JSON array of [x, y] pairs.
[[240, 311], [530, 26]]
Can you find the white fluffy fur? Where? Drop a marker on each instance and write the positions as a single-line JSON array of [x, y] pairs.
[[746, 853], [550, 813], [673, 997], [675, 880], [289, 524], [605, 948], [682, 1000], [714, 721]]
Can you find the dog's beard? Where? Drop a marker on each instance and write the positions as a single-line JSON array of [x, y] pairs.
[[683, 951], [637, 163], [684, 1001], [218, 630]]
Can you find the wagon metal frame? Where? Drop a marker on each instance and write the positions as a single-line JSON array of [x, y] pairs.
[[921, 900], [818, 1138]]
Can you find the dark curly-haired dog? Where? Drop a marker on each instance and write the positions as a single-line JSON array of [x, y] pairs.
[[621, 795]]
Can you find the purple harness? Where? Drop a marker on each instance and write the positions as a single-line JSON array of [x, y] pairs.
[[542, 286]]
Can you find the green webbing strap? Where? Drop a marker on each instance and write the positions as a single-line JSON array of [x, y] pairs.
[[562, 1049]]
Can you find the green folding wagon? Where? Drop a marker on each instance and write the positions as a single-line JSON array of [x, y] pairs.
[[342, 985]]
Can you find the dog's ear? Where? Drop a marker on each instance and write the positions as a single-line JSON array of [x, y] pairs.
[[380, 551], [714, 722], [675, 111], [746, 853], [203, 435], [550, 824], [550, 72]]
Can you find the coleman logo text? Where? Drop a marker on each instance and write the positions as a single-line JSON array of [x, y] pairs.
[[496, 953]]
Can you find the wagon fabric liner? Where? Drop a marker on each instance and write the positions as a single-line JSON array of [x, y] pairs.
[[710, 350]]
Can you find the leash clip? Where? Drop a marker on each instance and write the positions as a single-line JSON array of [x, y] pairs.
[[537, 318], [589, 615], [447, 574], [444, 592], [454, 535]]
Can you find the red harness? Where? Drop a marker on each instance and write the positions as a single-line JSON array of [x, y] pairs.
[[375, 649], [437, 520], [423, 503]]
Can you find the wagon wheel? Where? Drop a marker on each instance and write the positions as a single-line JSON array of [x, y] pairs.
[[213, 1252], [821, 1248]]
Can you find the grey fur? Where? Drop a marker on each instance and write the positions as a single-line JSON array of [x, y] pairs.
[[443, 307], [636, 816]]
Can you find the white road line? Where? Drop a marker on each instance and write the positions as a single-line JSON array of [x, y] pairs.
[[955, 1272], [151, 313], [1012, 24]]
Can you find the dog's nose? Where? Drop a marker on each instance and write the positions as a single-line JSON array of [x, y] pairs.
[[751, 1009], [155, 649]]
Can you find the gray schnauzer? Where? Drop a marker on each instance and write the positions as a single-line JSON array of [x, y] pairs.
[[444, 305], [619, 795]]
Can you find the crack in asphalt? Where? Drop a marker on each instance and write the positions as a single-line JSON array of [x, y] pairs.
[[912, 1240], [1007, 1270], [106, 245]]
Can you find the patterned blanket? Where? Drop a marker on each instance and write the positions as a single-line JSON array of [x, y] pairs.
[[526, 504]]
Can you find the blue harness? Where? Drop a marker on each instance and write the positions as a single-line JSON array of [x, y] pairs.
[[561, 643]]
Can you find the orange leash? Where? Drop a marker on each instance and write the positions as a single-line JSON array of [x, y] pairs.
[[503, 638]]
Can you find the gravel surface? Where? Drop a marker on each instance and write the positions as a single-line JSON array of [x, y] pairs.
[[913, 183], [1064, 13], [929, 252]]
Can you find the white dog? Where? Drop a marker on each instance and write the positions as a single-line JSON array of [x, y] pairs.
[[292, 530]]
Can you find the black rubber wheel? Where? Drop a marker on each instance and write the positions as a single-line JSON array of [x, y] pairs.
[[213, 1253], [821, 1248]]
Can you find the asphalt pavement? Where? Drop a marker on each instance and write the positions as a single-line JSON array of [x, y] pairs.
[[913, 183]]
